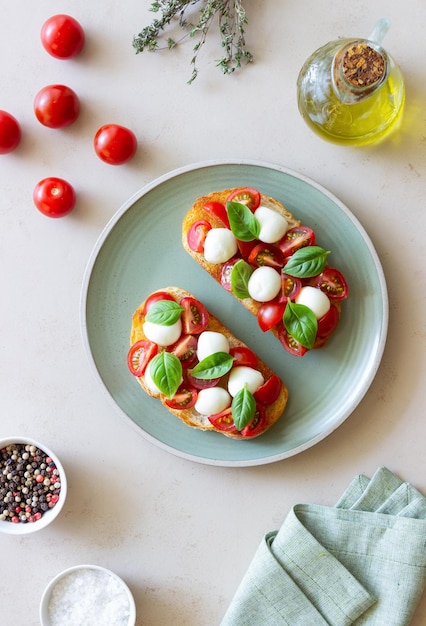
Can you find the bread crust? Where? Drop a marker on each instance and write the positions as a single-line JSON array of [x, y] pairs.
[[190, 416], [198, 212]]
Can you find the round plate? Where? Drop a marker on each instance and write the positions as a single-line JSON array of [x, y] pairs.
[[140, 251]]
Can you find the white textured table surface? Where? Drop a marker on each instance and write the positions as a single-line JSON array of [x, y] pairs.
[[180, 533]]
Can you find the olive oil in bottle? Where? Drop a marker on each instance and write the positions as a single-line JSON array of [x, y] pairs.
[[351, 91]]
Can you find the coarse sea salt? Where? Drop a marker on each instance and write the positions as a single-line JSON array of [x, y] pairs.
[[89, 597]]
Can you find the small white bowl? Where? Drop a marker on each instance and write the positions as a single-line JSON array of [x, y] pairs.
[[94, 578], [24, 528]]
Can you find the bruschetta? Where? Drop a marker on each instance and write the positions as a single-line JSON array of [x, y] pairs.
[[258, 251], [185, 357]]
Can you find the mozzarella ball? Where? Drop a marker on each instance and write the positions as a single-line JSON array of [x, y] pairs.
[[147, 378], [162, 335], [315, 299], [220, 245], [264, 284], [273, 225], [243, 375], [212, 400], [210, 342]]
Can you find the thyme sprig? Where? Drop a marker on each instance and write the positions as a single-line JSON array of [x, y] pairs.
[[232, 21]]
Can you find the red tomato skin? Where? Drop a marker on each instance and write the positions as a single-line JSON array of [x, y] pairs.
[[54, 197], [225, 275], [295, 238], [266, 254], [246, 195], [115, 144], [289, 343], [197, 235], [223, 421], [56, 106], [195, 317], [218, 210], [184, 398], [269, 391], [243, 356], [62, 36], [185, 349], [199, 383], [327, 324], [144, 351], [332, 283], [270, 314], [155, 297], [10, 132], [257, 424]]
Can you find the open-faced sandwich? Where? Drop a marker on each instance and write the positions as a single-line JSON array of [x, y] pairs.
[[264, 256], [184, 356]]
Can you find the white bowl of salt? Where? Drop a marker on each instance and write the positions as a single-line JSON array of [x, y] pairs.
[[85, 595]]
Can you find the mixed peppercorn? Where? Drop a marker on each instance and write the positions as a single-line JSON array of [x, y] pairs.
[[30, 483]]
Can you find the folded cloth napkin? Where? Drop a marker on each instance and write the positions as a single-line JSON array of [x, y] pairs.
[[360, 562]]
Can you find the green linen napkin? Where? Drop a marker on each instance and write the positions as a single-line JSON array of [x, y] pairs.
[[360, 562]]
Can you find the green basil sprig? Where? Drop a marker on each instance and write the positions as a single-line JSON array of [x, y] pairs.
[[213, 366], [240, 274], [164, 312], [306, 262], [166, 372], [244, 225], [301, 323], [243, 408]]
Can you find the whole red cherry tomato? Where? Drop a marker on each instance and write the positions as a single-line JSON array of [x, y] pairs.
[[54, 197], [62, 36], [56, 106], [115, 144], [10, 132]]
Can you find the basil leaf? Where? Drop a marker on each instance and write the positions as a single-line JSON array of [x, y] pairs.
[[243, 408], [164, 313], [242, 221], [240, 275], [213, 366], [166, 372], [301, 323], [306, 262]]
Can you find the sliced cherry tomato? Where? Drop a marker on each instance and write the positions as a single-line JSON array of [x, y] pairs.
[[289, 343], [246, 195], [140, 355], [156, 297], [62, 36], [10, 132], [333, 283], [115, 144], [243, 356], [186, 350], [194, 316], [245, 247], [327, 324], [296, 238], [56, 106], [54, 197], [269, 391], [200, 383], [184, 398], [223, 421], [197, 235], [218, 210], [257, 424], [290, 287], [270, 313], [225, 275], [266, 254]]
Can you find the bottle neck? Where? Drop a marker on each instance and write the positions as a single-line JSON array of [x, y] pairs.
[[359, 69]]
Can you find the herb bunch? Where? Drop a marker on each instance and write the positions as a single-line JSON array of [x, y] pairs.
[[232, 22]]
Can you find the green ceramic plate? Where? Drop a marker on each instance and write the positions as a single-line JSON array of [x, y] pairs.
[[140, 251]]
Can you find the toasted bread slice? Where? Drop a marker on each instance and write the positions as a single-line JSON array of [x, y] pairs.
[[198, 212], [190, 416]]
